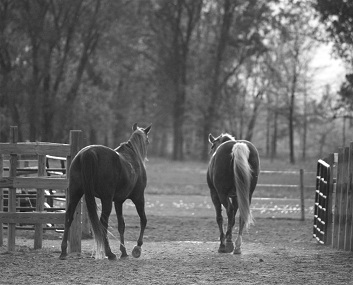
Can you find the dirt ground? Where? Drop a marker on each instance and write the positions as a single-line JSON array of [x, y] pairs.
[[183, 250]]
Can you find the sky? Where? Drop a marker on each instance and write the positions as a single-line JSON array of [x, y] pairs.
[[331, 70]]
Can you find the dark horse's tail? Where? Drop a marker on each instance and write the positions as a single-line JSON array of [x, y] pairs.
[[242, 177], [89, 163]]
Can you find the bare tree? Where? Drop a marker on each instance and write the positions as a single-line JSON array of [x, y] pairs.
[[174, 25]]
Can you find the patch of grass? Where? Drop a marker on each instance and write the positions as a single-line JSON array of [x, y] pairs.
[[189, 178]]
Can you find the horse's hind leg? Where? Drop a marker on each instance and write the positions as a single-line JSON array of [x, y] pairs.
[[219, 218], [231, 221], [75, 196], [106, 210], [121, 227], [140, 207], [239, 240]]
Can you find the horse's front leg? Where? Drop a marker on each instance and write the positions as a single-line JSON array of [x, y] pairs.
[[121, 227], [140, 207]]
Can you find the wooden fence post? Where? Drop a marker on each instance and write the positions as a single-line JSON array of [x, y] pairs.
[[12, 191], [75, 233], [38, 233], [338, 198], [341, 196], [302, 206], [86, 233], [349, 198], [1, 200]]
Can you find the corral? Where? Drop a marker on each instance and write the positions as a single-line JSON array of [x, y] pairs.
[[181, 242]]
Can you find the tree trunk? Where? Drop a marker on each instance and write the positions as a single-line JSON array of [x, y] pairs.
[[48, 104], [33, 116], [275, 131], [252, 122], [210, 116], [291, 118], [305, 125], [179, 110]]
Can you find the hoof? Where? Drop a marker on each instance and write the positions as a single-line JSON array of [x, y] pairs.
[[63, 256], [237, 251], [229, 246], [136, 252], [222, 249], [112, 257], [124, 256]]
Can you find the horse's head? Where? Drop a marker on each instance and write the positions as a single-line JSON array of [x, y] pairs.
[[139, 140], [142, 131], [216, 142]]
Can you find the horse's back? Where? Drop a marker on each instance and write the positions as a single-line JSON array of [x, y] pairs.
[[104, 157]]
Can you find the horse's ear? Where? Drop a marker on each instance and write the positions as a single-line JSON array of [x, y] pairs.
[[211, 139], [134, 127], [147, 130]]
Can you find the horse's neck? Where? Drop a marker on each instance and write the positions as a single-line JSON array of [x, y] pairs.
[[127, 151]]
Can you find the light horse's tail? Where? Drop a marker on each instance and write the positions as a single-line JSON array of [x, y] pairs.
[[242, 175], [89, 163]]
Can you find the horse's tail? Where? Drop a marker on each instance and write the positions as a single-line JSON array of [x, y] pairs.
[[89, 162], [242, 176]]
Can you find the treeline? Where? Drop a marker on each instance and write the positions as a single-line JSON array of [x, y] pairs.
[[189, 67]]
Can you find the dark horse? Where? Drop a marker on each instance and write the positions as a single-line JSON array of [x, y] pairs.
[[232, 177], [111, 175]]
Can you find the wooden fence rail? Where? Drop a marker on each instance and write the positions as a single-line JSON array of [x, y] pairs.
[[14, 149]]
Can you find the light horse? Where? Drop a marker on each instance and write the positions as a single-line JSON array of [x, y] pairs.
[[111, 175], [232, 177]]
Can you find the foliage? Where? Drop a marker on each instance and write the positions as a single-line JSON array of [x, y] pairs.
[[188, 67], [337, 15]]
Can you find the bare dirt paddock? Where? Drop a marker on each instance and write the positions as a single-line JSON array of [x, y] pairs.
[[183, 250]]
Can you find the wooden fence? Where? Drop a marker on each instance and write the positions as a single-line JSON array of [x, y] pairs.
[[338, 229], [13, 151]]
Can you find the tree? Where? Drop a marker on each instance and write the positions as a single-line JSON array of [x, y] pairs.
[[13, 68], [290, 58], [236, 35], [57, 40], [337, 15], [173, 24]]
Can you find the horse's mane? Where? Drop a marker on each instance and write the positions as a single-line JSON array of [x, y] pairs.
[[226, 137], [137, 144]]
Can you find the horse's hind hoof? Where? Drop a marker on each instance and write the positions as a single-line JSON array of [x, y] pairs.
[[237, 251], [136, 252], [124, 256], [63, 256], [112, 257]]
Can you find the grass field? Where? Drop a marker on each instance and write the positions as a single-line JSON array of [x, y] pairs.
[[189, 178]]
